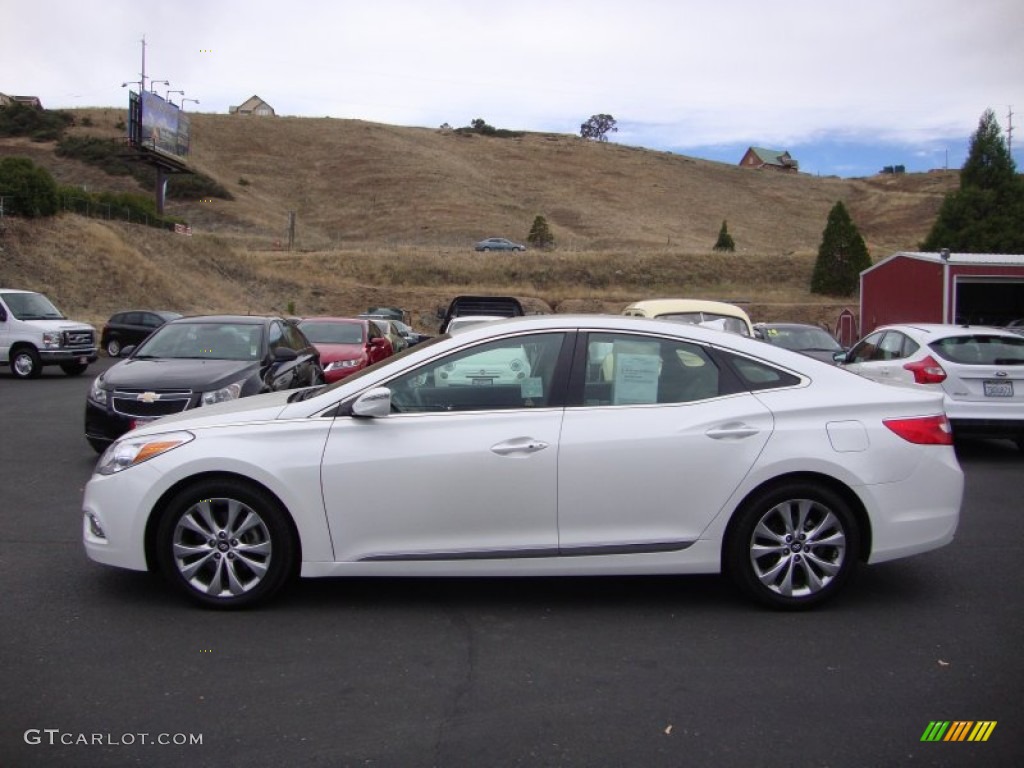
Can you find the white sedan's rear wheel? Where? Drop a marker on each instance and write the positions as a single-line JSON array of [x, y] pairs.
[[793, 546]]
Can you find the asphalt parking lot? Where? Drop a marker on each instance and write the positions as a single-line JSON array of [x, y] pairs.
[[100, 667]]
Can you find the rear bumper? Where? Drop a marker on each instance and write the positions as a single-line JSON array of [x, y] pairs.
[[1010, 428]]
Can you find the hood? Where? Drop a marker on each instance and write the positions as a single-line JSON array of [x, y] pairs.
[[245, 409], [330, 353], [160, 374], [59, 325]]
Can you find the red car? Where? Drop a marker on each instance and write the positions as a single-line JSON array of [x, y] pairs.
[[346, 344]]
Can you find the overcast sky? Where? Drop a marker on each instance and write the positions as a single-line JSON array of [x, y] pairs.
[[846, 88]]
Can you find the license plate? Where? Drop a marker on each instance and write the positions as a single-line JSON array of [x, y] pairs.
[[83, 360], [483, 382], [998, 388]]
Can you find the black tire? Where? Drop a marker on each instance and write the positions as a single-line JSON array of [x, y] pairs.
[[792, 546], [98, 445], [74, 369], [25, 363], [114, 348], [216, 569]]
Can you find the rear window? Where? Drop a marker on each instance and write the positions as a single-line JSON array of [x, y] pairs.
[[981, 349]]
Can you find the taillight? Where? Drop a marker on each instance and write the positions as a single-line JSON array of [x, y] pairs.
[[923, 430], [926, 371]]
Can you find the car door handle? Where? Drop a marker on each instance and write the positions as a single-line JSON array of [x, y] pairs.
[[732, 432], [519, 445]]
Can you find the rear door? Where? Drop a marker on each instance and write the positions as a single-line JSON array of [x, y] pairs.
[[654, 445]]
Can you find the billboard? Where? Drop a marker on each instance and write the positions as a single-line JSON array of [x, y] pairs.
[[154, 123]]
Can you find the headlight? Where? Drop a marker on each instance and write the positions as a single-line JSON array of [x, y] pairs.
[[97, 393], [51, 339], [339, 365], [129, 451], [230, 392]]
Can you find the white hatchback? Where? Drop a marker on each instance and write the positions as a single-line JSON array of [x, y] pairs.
[[978, 370], [628, 446]]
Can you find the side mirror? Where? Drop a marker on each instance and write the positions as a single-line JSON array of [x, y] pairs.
[[127, 351], [373, 404], [285, 355], [839, 357]]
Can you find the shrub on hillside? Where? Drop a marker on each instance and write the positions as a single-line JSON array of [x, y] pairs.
[[479, 126], [725, 241], [26, 189], [39, 124]]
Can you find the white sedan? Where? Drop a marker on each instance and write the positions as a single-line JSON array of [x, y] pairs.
[[631, 446]]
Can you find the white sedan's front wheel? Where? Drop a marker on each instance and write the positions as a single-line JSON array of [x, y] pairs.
[[225, 544], [793, 546]]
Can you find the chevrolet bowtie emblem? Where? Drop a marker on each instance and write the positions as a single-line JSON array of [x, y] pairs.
[[148, 397]]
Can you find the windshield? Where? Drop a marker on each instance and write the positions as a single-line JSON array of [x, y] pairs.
[[204, 341], [709, 320], [333, 333], [31, 306]]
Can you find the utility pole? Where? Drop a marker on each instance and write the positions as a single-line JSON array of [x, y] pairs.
[[1009, 130]]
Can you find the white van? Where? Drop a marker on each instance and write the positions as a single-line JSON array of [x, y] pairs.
[[709, 314], [34, 333]]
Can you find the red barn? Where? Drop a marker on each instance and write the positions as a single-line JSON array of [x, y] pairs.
[[975, 288]]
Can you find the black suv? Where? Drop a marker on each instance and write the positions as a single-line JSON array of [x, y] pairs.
[[194, 362], [130, 328]]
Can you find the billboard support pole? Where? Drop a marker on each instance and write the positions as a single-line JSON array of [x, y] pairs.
[[161, 189]]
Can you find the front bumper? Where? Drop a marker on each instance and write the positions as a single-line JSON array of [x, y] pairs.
[[56, 356], [103, 425]]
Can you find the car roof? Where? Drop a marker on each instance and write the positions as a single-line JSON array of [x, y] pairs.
[[325, 319], [666, 306], [239, 319], [945, 329]]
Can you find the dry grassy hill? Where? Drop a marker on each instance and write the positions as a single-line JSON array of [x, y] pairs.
[[388, 214]]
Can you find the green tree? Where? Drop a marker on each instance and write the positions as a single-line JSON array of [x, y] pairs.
[[540, 234], [725, 241], [986, 215], [842, 255], [598, 127], [27, 190]]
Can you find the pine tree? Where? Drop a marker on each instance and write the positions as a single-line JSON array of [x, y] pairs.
[[540, 234], [986, 215], [725, 241], [842, 255]]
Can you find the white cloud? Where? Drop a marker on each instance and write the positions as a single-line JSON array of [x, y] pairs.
[[680, 74]]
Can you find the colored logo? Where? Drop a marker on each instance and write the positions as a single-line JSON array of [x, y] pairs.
[[958, 730]]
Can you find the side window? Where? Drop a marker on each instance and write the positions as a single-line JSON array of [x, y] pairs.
[[866, 350], [293, 338], [638, 370], [891, 347], [276, 338], [132, 318], [757, 375], [909, 346], [151, 321], [517, 372]]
